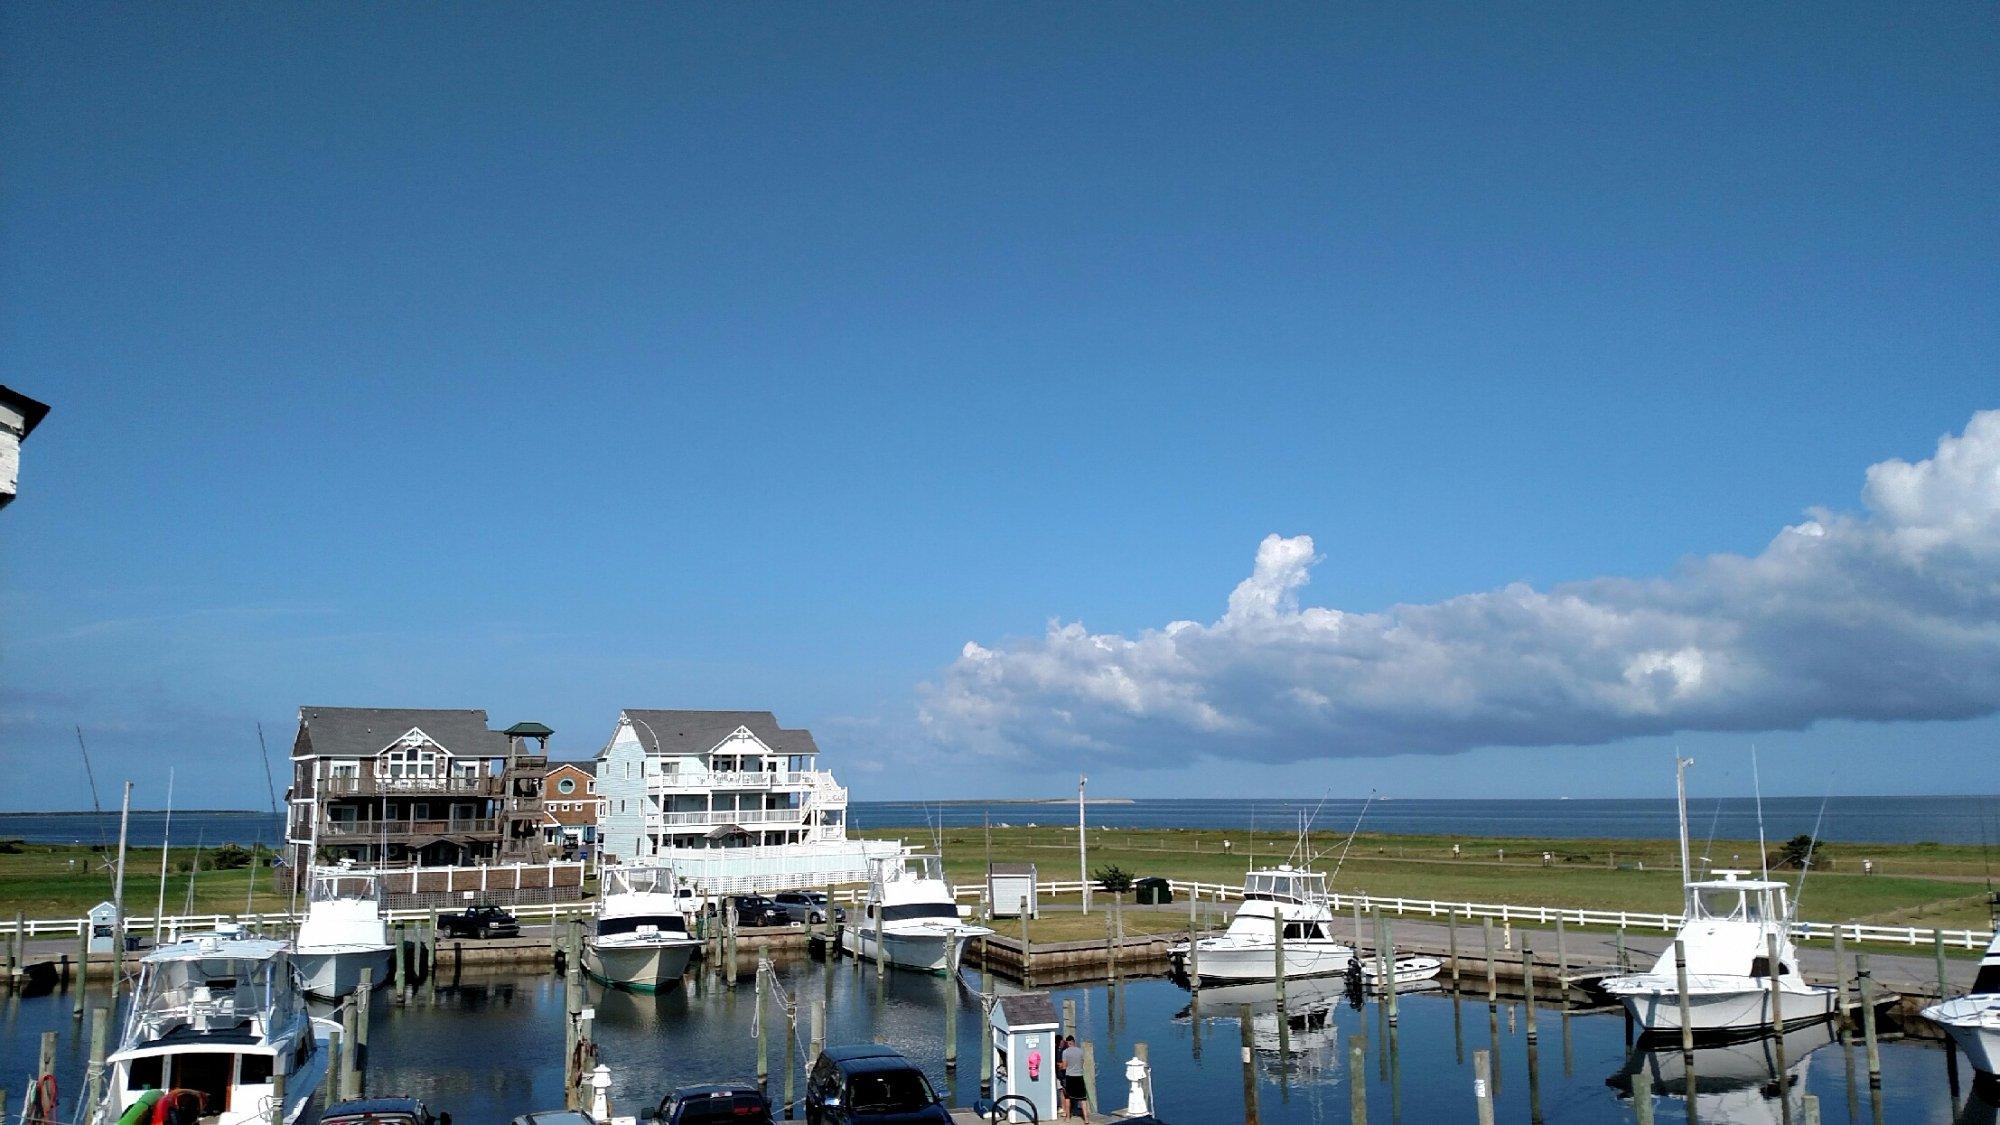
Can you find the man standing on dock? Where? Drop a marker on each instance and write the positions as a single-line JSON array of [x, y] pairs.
[[1074, 1093]]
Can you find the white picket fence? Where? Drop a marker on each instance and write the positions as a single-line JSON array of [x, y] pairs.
[[1913, 936]]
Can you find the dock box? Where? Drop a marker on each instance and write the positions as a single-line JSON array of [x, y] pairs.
[[1008, 885], [1154, 891]]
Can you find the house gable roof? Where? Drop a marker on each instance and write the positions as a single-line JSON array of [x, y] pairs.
[[698, 732], [363, 732]]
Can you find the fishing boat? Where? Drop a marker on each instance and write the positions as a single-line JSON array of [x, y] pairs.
[[640, 942], [214, 1022], [1293, 899], [1973, 1020], [1729, 925], [1405, 972], [910, 915], [343, 933]]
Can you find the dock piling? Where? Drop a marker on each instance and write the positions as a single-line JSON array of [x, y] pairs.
[[1937, 950], [363, 995], [1278, 955], [1492, 980], [1027, 957], [1528, 987], [1389, 993], [791, 1052], [951, 1009], [1357, 1089], [1840, 980], [1642, 1095], [1249, 1067], [1482, 1085], [1777, 1022], [82, 967], [763, 1023], [1451, 936], [1687, 1022], [1091, 1090], [1562, 961], [100, 1032], [1866, 979]]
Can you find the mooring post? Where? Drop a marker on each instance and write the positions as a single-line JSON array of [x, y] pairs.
[[1866, 979], [277, 1116], [348, 1048], [1357, 1086], [1492, 980], [1110, 943], [986, 1048], [791, 1052], [100, 1031], [951, 1008], [396, 937], [1808, 1109], [1194, 961], [1840, 980], [1068, 1018], [1562, 960], [1389, 969], [431, 958], [1482, 1085], [881, 943], [82, 967], [363, 995], [1451, 936], [1090, 1087], [1777, 1021], [1278, 953], [1687, 1021], [1937, 950], [763, 1024], [1528, 987], [45, 1073], [1642, 1093], [1026, 958], [1621, 949], [572, 1031], [1249, 1068]]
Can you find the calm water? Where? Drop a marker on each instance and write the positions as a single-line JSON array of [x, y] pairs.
[[491, 1049], [1881, 820]]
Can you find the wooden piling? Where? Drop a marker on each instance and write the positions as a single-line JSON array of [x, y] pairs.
[[1091, 1090], [1621, 949], [1482, 1085], [1278, 955], [82, 968], [347, 1049], [277, 1116], [763, 1024], [1528, 987], [1777, 1020], [951, 1009], [16, 949], [1068, 1018], [431, 958], [1937, 950], [1194, 961], [1451, 936], [401, 975], [1249, 1068], [881, 943], [100, 1033], [1562, 958], [1389, 993], [1027, 956], [1840, 980], [1866, 979], [1687, 1021], [1492, 980], [1111, 941], [1357, 1084], [791, 1053], [363, 996]]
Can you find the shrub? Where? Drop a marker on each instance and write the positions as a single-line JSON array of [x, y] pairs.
[[1114, 878], [1800, 850]]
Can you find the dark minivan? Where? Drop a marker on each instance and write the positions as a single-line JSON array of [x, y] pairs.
[[872, 1083]]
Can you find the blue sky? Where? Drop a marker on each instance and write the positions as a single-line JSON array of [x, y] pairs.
[[557, 360]]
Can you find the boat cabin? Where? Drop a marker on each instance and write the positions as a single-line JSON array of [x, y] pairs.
[[641, 899], [213, 1019], [909, 888], [1731, 898], [1284, 884]]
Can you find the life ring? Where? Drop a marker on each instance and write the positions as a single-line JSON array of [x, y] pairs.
[[141, 1109]]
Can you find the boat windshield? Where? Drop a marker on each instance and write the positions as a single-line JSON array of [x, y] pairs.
[[1289, 886], [1727, 904], [210, 993], [672, 924], [913, 911]]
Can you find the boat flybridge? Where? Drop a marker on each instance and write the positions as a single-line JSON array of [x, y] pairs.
[[1727, 930], [911, 909], [214, 1021], [641, 941], [1973, 1020], [1247, 950], [343, 933]]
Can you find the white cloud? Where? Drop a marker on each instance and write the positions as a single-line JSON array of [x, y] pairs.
[[1889, 614]]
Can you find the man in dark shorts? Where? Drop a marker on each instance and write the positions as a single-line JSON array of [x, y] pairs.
[[1074, 1092]]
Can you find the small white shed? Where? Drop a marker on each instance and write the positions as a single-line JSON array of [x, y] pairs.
[[103, 927], [1008, 885], [1023, 1038]]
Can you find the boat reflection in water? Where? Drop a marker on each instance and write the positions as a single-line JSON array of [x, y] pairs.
[[1736, 1083], [1982, 1103], [1304, 1046]]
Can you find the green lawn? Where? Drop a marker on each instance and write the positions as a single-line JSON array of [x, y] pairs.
[[64, 881]]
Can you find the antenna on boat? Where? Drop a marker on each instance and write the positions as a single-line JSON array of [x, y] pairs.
[[1799, 890], [1352, 833], [166, 848], [194, 869], [96, 806], [1757, 787], [1681, 799], [271, 791]]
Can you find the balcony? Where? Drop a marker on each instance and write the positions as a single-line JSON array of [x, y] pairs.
[[730, 779], [368, 785], [402, 831], [724, 816]]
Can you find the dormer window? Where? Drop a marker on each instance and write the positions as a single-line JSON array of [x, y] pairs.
[[415, 756]]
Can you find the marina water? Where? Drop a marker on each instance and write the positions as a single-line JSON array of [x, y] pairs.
[[491, 1048]]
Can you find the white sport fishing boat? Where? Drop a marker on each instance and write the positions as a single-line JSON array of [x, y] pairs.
[[1735, 1084], [1728, 925], [1247, 950], [1973, 1020], [343, 933], [912, 908], [214, 1020], [641, 941]]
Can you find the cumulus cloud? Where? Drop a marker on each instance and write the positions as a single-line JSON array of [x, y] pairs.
[[1892, 613]]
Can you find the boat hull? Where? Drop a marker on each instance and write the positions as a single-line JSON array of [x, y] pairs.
[[334, 973], [1406, 970], [638, 966], [1973, 1022], [1248, 961], [925, 951], [1723, 1010]]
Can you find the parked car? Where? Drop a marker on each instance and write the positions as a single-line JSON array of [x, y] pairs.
[[483, 921], [756, 910], [867, 1082], [382, 1111], [715, 1104], [809, 907]]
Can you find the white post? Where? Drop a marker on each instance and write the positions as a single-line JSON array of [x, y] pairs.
[[1135, 1099], [1082, 847], [600, 1096]]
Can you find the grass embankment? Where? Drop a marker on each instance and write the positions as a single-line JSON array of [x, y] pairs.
[[1914, 884], [66, 880]]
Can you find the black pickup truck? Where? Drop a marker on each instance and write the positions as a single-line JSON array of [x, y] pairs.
[[482, 921]]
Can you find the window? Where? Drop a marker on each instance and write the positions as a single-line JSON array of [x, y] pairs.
[[566, 785], [408, 760], [345, 769]]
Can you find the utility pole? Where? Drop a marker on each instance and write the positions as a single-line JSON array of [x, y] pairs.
[[1082, 847]]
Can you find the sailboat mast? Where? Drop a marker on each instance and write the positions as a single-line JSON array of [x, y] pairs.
[[166, 847], [1681, 797], [118, 897], [1082, 849]]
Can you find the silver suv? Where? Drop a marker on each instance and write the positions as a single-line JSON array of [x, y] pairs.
[[807, 906]]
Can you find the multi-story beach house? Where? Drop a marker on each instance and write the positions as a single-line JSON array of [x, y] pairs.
[[731, 799], [19, 415], [569, 808], [399, 787]]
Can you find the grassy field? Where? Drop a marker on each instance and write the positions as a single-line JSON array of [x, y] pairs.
[[64, 881], [1917, 884]]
